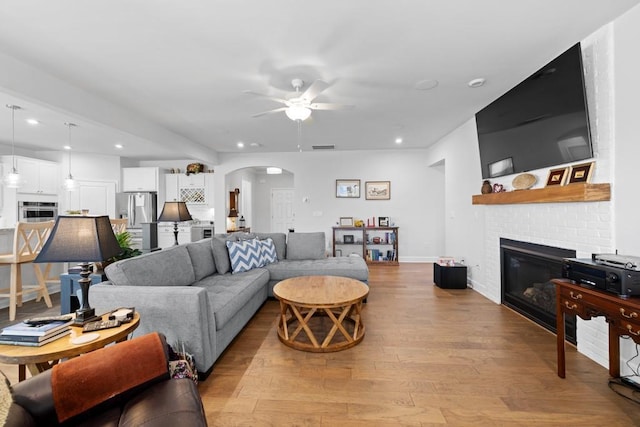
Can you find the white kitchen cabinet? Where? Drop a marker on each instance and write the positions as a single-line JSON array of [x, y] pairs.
[[191, 181], [166, 238], [171, 193], [140, 179], [39, 176]]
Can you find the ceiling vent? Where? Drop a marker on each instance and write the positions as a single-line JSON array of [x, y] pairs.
[[324, 147]]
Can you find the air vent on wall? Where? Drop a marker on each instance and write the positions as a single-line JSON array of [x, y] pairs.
[[324, 147]]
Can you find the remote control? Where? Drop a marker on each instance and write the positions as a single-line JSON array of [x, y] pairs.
[[48, 319], [100, 324]]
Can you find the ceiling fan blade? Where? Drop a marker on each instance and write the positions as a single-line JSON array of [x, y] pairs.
[[277, 110], [314, 90], [250, 92], [327, 106]]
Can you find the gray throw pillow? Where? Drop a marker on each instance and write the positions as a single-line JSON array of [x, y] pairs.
[[201, 255], [305, 246], [220, 255]]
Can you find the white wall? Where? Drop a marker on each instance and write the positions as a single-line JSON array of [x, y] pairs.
[[626, 200], [415, 205]]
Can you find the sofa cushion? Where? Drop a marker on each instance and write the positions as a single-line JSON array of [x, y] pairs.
[[305, 246], [267, 251], [168, 267], [353, 267], [202, 260], [244, 255], [229, 293], [279, 240]]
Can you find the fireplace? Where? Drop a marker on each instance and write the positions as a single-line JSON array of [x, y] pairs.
[[527, 270]]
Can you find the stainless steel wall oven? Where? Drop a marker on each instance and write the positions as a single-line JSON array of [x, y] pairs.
[[37, 211]]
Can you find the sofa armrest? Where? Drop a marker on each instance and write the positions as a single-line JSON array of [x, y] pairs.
[[181, 313], [98, 379]]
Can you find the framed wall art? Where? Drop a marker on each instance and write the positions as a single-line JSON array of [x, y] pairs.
[[557, 176], [346, 221], [377, 190], [581, 173], [348, 188]]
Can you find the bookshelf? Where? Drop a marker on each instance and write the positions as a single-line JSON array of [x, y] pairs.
[[377, 245]]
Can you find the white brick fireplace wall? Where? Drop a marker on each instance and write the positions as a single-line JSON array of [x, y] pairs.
[[584, 227]]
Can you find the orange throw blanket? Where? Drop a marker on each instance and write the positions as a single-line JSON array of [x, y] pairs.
[[86, 381]]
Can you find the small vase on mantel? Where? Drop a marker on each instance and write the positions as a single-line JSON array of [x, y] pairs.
[[486, 187]]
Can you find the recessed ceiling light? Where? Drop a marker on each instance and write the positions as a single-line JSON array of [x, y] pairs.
[[67, 147], [476, 82], [272, 170], [240, 144], [32, 121], [255, 144], [119, 146], [427, 84], [398, 140]]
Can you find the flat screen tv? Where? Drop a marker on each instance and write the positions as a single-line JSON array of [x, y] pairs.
[[541, 122]]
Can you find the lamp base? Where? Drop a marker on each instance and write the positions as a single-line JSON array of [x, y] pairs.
[[85, 316]]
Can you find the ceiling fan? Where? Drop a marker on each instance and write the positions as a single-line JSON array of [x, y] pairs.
[[299, 107]]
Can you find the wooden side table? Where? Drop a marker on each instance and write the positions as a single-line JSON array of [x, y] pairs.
[[39, 359]]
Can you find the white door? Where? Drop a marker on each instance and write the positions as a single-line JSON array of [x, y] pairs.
[[246, 206], [97, 196], [282, 217]]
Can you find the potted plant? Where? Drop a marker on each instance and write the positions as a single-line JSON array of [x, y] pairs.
[[124, 240]]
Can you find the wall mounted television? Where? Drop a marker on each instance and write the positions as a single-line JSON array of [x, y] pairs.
[[541, 122]]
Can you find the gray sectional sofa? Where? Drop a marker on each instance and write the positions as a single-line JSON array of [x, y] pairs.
[[189, 294]]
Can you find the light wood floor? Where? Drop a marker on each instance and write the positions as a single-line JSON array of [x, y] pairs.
[[430, 357]]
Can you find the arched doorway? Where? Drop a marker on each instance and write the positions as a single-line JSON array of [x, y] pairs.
[[255, 201]]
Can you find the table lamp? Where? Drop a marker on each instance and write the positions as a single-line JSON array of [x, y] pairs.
[[175, 212], [82, 239]]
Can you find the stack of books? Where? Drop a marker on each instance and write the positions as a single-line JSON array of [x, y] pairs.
[[34, 336]]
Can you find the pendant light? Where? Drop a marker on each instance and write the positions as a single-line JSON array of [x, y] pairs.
[[13, 178], [70, 184]]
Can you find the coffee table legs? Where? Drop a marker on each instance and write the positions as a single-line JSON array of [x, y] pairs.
[[300, 318]]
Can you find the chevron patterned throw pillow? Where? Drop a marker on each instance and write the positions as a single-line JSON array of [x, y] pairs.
[[267, 251], [244, 255]]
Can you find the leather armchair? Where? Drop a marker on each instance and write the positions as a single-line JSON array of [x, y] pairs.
[[126, 384]]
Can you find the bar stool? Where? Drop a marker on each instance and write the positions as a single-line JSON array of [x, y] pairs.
[[28, 240], [119, 225]]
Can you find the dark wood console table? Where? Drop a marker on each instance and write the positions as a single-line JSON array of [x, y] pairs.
[[622, 315]]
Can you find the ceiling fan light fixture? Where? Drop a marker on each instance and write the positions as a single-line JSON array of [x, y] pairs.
[[298, 112], [272, 170]]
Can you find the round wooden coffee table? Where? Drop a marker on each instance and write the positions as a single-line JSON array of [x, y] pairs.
[[321, 306], [39, 359]]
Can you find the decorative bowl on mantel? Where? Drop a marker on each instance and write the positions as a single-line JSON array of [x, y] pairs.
[[524, 181]]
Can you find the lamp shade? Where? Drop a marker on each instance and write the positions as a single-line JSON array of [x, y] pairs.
[[80, 239], [174, 212]]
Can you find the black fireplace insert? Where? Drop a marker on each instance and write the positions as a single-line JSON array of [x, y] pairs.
[[527, 270]]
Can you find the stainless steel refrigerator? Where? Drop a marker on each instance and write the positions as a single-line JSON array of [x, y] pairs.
[[142, 215], [141, 208]]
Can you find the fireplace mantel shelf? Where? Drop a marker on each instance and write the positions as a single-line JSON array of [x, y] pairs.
[[553, 194]]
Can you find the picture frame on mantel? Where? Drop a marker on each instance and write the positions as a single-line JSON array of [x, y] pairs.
[[377, 190], [348, 188], [557, 177], [581, 173]]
